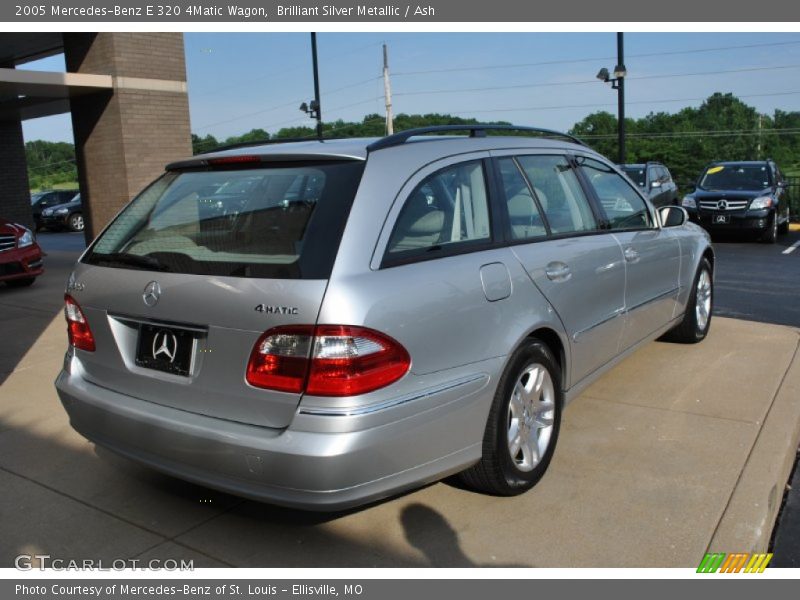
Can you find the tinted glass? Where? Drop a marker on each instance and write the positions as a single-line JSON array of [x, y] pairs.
[[275, 221], [636, 174], [523, 212], [736, 177], [624, 208], [559, 194], [446, 209]]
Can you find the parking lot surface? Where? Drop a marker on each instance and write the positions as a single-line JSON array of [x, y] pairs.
[[677, 451]]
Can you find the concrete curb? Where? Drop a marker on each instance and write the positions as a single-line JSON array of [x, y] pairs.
[[748, 520]]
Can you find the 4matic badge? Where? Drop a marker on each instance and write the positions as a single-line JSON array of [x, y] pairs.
[[277, 310]]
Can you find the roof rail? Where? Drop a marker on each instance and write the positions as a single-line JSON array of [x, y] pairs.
[[477, 130]]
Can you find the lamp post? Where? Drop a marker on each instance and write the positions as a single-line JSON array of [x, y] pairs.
[[313, 108], [618, 83]]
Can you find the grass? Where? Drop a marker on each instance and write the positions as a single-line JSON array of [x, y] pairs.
[[68, 185]]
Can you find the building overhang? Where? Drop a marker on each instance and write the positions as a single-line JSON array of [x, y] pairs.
[[33, 94]]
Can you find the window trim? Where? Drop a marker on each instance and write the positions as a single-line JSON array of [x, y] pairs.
[[456, 248], [598, 206]]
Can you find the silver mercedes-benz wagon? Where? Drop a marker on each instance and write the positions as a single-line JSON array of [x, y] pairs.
[[321, 324]]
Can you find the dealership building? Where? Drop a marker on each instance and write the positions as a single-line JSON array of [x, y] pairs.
[[127, 96]]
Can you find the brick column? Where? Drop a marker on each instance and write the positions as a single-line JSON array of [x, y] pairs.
[[16, 203], [124, 138]]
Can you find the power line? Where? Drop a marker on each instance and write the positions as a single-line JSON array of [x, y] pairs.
[[596, 104], [592, 81], [707, 133], [598, 58], [47, 165], [284, 105], [237, 84]]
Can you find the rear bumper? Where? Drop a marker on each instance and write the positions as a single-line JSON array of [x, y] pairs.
[[21, 263], [303, 469]]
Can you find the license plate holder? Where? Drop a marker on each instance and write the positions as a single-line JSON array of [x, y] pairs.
[[167, 349]]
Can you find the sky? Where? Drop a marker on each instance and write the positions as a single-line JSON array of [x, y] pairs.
[[241, 81]]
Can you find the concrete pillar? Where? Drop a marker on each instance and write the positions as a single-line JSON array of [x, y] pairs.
[[124, 138], [16, 201]]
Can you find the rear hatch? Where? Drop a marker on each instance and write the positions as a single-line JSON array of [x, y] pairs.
[[186, 279]]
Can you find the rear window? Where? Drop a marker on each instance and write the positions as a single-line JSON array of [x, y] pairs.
[[280, 221], [637, 175]]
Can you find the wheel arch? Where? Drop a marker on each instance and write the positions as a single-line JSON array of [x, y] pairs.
[[554, 342]]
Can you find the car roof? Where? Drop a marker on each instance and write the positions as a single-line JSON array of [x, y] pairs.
[[357, 148]]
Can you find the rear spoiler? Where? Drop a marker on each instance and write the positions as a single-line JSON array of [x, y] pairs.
[[250, 160]]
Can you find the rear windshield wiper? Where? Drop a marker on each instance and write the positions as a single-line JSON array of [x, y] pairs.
[[130, 260]]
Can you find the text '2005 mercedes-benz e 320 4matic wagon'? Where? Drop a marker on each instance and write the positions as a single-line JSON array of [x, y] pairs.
[[320, 324]]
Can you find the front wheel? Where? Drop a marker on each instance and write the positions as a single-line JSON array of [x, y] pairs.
[[523, 424], [770, 236], [76, 222], [697, 318], [783, 228]]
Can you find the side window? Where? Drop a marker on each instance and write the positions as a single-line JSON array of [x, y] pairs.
[[559, 193], [523, 213], [623, 206], [666, 174], [446, 209], [652, 175]]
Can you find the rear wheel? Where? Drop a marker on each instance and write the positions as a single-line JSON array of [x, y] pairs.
[[523, 424], [18, 283], [697, 318], [76, 222]]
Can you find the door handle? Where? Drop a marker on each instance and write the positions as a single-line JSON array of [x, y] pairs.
[[630, 254], [558, 271]]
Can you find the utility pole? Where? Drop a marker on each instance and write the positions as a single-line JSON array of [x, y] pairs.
[[758, 148], [318, 106], [620, 68], [387, 92]]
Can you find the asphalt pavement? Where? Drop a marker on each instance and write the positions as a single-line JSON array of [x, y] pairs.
[[758, 282]]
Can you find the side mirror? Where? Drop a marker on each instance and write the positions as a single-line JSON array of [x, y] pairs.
[[782, 184], [655, 185], [672, 216]]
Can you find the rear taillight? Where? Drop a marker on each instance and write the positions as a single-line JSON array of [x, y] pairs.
[[329, 360], [279, 360], [78, 330]]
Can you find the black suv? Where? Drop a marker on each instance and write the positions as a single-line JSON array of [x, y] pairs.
[[655, 181], [64, 216], [741, 196], [41, 200]]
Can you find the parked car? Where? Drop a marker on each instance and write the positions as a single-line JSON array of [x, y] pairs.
[[655, 181], [741, 196], [64, 216], [376, 313], [42, 200], [20, 255]]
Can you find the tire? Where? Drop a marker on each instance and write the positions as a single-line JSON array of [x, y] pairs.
[[75, 222], [770, 236], [502, 471], [783, 228], [696, 323], [18, 283]]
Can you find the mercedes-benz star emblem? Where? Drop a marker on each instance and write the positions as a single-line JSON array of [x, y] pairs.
[[722, 204], [165, 343], [152, 292]]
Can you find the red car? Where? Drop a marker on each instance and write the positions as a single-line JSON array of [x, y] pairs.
[[20, 255]]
